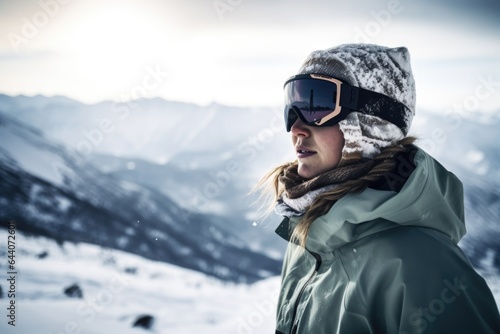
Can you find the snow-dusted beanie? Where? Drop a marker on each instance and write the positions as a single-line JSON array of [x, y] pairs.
[[376, 68]]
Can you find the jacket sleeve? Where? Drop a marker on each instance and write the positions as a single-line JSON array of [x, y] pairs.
[[429, 286]]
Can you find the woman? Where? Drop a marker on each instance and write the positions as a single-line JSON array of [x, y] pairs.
[[373, 221]]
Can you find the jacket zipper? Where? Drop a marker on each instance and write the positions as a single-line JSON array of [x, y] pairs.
[[297, 301]]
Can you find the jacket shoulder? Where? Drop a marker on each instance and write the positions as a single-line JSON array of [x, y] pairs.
[[418, 247], [416, 279]]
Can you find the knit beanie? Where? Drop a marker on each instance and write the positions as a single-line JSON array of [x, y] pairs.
[[377, 68]]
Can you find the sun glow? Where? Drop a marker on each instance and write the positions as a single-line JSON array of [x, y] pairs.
[[111, 40], [116, 34]]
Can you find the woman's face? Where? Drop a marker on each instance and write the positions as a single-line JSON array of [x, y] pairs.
[[318, 149]]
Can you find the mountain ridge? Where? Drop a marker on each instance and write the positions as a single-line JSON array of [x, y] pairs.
[[89, 206]]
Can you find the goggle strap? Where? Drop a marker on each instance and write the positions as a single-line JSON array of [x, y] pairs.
[[349, 96], [363, 100]]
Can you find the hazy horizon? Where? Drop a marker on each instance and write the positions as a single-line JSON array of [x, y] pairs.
[[238, 53]]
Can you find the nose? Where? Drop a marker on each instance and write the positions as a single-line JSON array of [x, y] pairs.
[[299, 129]]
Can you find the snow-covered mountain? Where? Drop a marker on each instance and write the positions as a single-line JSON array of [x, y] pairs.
[[207, 158], [155, 130], [49, 190]]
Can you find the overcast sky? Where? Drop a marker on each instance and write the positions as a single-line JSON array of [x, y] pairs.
[[239, 52]]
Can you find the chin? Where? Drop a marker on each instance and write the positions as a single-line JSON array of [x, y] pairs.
[[306, 173]]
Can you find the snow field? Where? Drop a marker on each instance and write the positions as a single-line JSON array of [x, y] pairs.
[[118, 287]]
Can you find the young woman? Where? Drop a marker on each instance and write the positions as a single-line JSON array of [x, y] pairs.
[[372, 221]]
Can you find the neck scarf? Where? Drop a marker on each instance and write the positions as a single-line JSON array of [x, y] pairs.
[[299, 193]]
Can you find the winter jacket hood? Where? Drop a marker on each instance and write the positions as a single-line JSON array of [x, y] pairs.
[[431, 197]]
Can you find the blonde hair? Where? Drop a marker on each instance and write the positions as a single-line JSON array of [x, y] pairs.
[[271, 189]]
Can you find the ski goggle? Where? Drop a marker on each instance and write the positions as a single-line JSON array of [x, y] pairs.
[[319, 100]]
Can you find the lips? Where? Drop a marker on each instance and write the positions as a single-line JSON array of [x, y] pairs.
[[304, 152]]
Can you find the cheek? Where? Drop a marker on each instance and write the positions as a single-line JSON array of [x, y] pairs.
[[334, 147], [334, 143]]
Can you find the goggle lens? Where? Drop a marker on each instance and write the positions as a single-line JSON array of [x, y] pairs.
[[312, 99]]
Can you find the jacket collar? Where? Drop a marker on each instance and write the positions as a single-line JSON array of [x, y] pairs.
[[431, 197]]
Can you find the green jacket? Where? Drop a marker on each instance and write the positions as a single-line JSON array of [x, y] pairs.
[[385, 261]]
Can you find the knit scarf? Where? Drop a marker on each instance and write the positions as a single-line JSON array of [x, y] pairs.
[[299, 193]]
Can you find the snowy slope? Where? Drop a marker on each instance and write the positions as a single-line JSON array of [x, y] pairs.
[[49, 191], [119, 287], [191, 148], [188, 187]]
